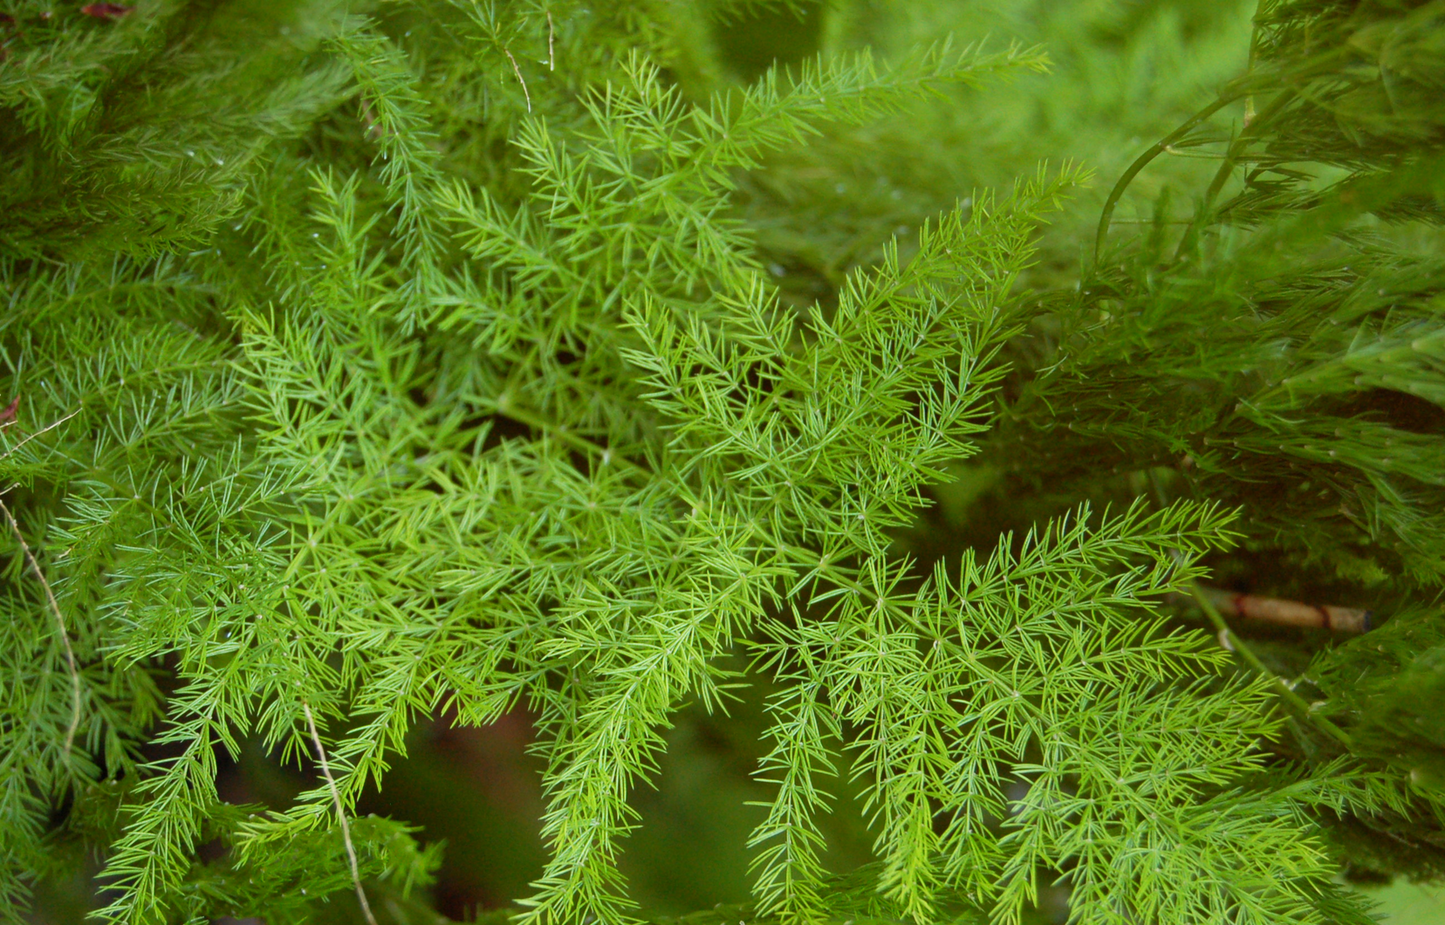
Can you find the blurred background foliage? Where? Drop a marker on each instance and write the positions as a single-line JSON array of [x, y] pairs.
[[1124, 73]]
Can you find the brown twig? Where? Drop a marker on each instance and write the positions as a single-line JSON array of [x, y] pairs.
[[75, 685], [340, 813], [1289, 613], [518, 71]]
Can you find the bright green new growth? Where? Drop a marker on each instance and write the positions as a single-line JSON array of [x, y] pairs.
[[434, 368]]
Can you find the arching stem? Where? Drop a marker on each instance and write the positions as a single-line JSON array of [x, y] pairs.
[[1144, 160]]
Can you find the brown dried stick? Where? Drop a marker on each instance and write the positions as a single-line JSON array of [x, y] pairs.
[[340, 813], [1289, 613]]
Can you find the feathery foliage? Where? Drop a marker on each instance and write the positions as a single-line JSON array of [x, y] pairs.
[[374, 362]]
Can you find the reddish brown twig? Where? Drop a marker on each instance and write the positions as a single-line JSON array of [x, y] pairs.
[[110, 11], [1289, 613]]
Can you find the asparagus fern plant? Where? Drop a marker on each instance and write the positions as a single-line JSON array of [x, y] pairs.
[[369, 361]]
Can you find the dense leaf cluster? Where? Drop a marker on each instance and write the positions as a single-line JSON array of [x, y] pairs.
[[438, 357]]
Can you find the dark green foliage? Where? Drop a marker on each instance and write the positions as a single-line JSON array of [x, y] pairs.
[[1301, 361], [371, 364]]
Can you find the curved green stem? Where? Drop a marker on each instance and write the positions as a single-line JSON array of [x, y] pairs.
[[1237, 645], [1231, 157], [1143, 161]]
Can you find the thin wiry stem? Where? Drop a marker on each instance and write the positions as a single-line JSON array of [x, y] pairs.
[[518, 71], [551, 59], [340, 813], [1142, 161], [75, 686], [1258, 122], [1233, 643], [45, 429]]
